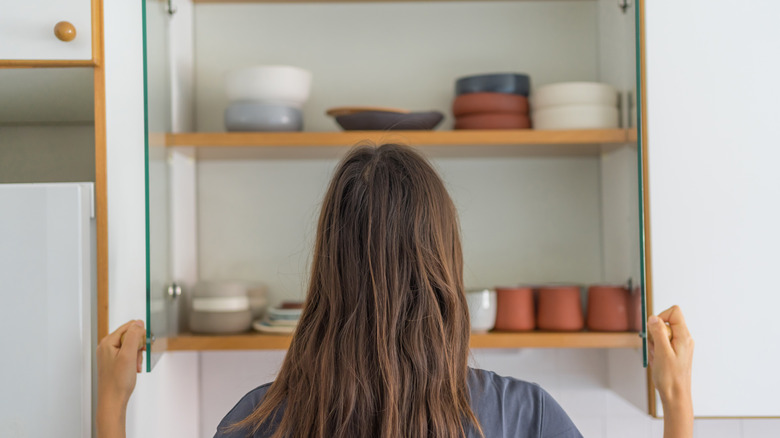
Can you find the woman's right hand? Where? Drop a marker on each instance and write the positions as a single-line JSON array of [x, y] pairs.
[[670, 362]]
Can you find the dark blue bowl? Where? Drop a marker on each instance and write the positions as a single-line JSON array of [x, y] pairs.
[[513, 83]]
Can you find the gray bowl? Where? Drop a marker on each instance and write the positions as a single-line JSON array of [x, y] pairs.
[[258, 116], [513, 83]]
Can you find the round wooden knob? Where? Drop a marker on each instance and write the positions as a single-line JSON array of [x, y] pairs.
[[65, 31]]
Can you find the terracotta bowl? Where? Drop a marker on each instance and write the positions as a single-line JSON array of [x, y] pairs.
[[515, 309], [478, 103], [608, 308], [560, 308], [493, 121]]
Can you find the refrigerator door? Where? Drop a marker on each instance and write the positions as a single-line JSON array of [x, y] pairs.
[[46, 288]]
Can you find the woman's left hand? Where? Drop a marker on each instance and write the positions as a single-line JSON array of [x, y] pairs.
[[119, 358]]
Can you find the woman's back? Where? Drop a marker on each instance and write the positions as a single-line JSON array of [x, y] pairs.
[[504, 407]]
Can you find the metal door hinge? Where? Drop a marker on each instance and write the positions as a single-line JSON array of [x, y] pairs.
[[174, 291], [171, 9]]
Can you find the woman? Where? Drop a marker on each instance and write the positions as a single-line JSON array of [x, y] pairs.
[[381, 349]]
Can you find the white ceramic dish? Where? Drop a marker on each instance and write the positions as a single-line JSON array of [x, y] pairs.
[[269, 83], [574, 93], [285, 313], [220, 304], [482, 309], [266, 327], [220, 322], [576, 117]]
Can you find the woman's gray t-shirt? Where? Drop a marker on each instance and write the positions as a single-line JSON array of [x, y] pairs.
[[505, 407]]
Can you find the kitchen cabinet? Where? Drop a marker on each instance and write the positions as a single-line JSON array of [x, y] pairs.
[[691, 259], [47, 32], [253, 148]]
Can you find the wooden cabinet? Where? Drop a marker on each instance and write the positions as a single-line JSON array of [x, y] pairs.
[[378, 70], [47, 32], [709, 184]]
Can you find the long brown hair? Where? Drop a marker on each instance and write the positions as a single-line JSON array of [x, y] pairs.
[[381, 349]]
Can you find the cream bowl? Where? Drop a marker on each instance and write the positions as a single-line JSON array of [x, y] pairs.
[[574, 93], [482, 309], [576, 117], [280, 84]]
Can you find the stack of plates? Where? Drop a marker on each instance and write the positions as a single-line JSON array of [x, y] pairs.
[[575, 105], [282, 319], [492, 101]]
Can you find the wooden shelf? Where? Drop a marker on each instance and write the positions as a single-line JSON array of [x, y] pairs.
[[256, 341], [416, 138]]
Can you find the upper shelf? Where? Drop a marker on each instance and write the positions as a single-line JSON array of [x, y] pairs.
[[417, 138], [535, 339], [527, 142]]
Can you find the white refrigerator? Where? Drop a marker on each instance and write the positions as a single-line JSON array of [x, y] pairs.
[[47, 292]]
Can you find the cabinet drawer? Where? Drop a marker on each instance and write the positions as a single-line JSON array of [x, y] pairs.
[[27, 30]]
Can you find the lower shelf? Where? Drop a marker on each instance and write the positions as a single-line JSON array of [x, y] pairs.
[[256, 341]]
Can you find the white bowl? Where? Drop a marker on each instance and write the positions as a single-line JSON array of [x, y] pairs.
[[482, 309], [574, 93], [280, 84], [576, 117]]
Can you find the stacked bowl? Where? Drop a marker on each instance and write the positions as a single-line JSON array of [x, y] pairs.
[[266, 98], [282, 319], [220, 307], [575, 105], [492, 101]]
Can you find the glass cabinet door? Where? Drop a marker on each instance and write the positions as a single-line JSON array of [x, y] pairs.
[[635, 124], [160, 291]]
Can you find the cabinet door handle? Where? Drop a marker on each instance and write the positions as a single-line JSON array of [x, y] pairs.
[[65, 31]]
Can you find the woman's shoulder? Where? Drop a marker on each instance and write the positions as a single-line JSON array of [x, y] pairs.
[[506, 406], [485, 380], [241, 410]]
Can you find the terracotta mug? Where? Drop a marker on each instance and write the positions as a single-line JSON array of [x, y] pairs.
[[515, 309], [560, 308], [607, 308]]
